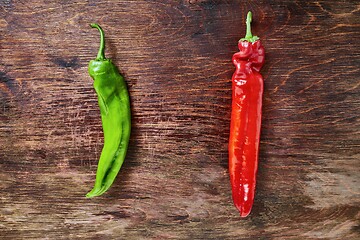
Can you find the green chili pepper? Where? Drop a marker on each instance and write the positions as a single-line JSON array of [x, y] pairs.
[[113, 98]]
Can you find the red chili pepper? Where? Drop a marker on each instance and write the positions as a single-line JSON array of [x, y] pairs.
[[247, 90]]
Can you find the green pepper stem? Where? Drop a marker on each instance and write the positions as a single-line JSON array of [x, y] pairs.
[[101, 54], [249, 37]]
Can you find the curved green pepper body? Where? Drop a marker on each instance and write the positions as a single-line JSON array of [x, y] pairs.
[[114, 103]]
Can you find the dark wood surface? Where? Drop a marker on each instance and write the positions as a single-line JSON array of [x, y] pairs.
[[176, 58]]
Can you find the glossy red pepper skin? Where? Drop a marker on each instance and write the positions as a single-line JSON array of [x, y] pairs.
[[247, 91]]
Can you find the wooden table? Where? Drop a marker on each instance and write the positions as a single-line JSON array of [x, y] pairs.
[[176, 58]]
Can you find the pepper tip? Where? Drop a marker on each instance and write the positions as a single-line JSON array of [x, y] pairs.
[[244, 210]]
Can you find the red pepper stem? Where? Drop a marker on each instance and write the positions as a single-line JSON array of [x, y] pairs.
[[101, 53], [249, 37]]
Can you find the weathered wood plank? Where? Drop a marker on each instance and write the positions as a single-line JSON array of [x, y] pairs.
[[175, 56]]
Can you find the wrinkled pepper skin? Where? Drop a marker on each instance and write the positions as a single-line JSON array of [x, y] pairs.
[[247, 91], [113, 99]]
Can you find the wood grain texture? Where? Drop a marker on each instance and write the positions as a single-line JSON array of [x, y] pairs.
[[176, 58]]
